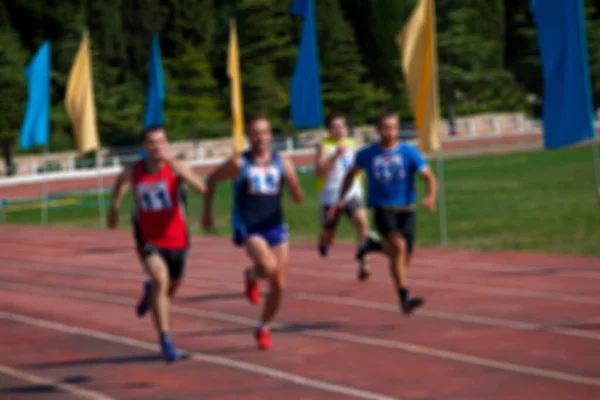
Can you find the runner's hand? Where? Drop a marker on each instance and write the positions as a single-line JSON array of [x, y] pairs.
[[333, 210], [429, 203]]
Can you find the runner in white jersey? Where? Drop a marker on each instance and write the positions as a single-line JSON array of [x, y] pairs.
[[334, 156]]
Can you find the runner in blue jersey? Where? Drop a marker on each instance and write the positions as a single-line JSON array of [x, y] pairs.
[[259, 176], [390, 168]]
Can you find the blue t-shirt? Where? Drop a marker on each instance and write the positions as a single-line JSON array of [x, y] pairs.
[[390, 174], [257, 194]]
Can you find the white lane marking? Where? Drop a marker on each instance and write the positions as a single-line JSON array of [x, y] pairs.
[[338, 336], [65, 387], [218, 360], [192, 281]]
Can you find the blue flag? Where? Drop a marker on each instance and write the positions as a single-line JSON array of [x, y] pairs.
[[568, 116], [305, 103], [156, 87], [35, 130], [153, 115]]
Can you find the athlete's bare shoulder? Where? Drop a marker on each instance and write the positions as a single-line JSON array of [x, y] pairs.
[[236, 160], [126, 174]]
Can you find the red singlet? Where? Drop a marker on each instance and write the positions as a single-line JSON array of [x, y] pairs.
[[158, 205]]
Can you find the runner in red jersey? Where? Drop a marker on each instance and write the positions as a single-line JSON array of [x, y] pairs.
[[160, 226]]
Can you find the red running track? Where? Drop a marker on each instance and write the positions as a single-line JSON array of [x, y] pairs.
[[495, 326]]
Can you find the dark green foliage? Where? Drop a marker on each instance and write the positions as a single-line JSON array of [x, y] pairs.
[[14, 89], [267, 55], [344, 87], [487, 50]]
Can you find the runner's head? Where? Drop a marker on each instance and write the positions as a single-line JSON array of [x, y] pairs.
[[388, 126], [336, 125], [153, 139], [259, 133]]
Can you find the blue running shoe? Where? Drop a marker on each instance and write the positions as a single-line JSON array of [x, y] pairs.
[[168, 349], [144, 304]]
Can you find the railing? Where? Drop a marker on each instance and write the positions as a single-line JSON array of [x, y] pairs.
[[68, 167]]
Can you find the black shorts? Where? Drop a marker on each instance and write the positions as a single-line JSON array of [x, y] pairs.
[[400, 222], [349, 209], [174, 258]]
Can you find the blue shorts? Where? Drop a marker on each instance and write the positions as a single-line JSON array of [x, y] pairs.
[[274, 236]]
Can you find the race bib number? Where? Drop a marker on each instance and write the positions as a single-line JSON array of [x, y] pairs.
[[388, 168], [345, 161], [154, 196], [263, 179]]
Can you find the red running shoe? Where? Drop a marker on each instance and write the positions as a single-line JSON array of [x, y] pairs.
[[252, 292], [263, 338]]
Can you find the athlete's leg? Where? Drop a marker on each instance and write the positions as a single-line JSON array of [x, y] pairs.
[[259, 251], [277, 281], [409, 232], [144, 302], [262, 262], [174, 285], [358, 216], [156, 267], [176, 263], [328, 230], [390, 225], [367, 243], [396, 246]]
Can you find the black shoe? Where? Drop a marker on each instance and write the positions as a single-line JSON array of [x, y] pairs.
[[370, 244], [323, 250], [363, 274], [411, 304]]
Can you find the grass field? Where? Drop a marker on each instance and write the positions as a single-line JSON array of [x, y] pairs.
[[539, 201]]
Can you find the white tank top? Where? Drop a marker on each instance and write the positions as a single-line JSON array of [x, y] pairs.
[[330, 185]]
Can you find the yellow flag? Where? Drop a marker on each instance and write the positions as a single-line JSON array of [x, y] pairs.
[[417, 44], [79, 99], [233, 72]]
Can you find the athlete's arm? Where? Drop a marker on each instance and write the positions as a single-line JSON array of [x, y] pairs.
[[432, 188], [119, 189], [346, 184], [292, 180], [427, 174], [188, 176], [324, 164], [230, 169]]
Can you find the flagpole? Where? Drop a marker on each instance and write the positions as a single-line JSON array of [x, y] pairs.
[[45, 190], [100, 190], [3, 204], [596, 160], [442, 198]]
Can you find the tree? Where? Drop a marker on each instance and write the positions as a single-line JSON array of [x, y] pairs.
[[119, 81], [191, 101], [267, 55], [593, 39], [190, 21], [376, 25], [471, 69], [14, 89], [343, 84], [522, 57]]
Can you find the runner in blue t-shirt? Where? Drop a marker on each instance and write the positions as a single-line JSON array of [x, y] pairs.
[[390, 168]]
